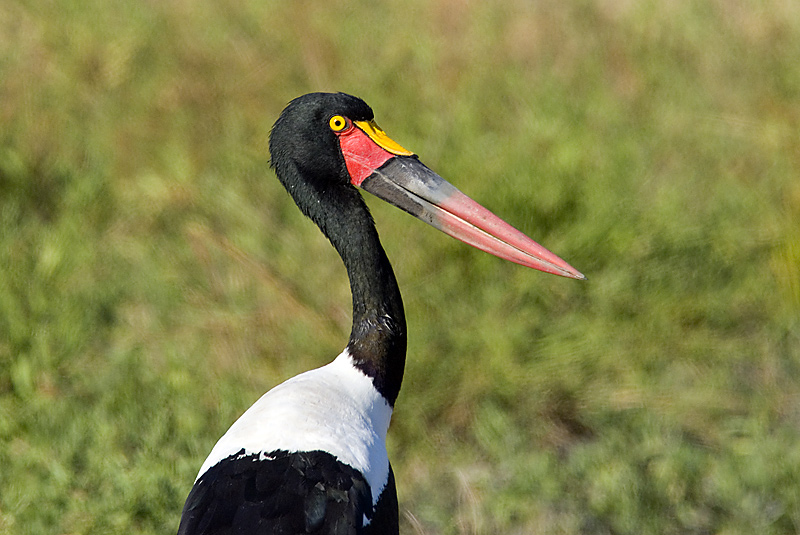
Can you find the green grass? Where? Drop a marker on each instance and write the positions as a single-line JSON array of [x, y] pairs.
[[155, 279]]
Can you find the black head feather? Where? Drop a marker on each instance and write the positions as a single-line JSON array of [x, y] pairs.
[[301, 138]]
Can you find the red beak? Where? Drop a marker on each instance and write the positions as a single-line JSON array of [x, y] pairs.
[[383, 168]]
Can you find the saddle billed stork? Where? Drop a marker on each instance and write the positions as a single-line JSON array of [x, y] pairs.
[[310, 455]]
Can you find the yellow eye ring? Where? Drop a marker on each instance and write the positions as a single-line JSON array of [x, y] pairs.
[[338, 123]]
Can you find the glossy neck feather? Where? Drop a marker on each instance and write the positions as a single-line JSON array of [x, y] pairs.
[[378, 338]]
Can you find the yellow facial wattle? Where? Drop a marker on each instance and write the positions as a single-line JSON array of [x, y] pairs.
[[381, 139]]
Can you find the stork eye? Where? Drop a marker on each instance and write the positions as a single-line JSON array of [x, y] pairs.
[[338, 123]]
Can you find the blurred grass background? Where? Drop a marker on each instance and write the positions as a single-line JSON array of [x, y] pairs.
[[155, 279]]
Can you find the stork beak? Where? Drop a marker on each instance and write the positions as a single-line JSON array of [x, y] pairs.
[[382, 167]]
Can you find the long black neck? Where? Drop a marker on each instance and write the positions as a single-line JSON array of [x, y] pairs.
[[378, 338]]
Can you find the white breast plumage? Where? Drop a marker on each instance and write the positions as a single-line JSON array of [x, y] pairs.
[[334, 408]]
